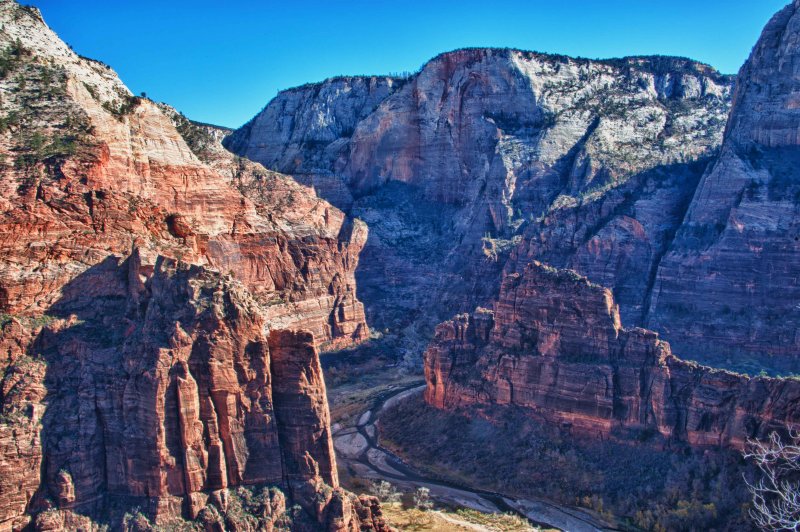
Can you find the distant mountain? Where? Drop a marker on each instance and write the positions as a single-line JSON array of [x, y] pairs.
[[580, 163]]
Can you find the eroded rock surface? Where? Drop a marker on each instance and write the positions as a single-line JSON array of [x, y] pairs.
[[729, 285], [554, 345], [92, 170], [146, 278], [452, 166], [166, 392], [487, 159]]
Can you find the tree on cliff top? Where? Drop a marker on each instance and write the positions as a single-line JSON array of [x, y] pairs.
[[776, 495]]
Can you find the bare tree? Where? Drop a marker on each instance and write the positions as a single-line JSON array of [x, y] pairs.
[[422, 499], [776, 495], [385, 491]]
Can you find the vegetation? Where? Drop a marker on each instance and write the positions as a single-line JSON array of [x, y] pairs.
[[123, 107], [422, 499], [653, 489], [43, 148], [136, 521], [43, 127], [776, 492], [197, 136], [494, 248], [31, 322], [11, 57], [385, 492], [405, 518], [411, 519], [91, 89], [246, 508], [414, 511], [27, 10]]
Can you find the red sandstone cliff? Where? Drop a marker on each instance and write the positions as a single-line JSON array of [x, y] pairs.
[[90, 169], [554, 345], [163, 303], [160, 394]]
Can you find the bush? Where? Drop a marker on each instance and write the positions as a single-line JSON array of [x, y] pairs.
[[122, 109], [10, 58], [136, 522]]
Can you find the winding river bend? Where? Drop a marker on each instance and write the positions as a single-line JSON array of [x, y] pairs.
[[358, 449]]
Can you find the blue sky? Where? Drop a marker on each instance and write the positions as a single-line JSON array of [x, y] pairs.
[[222, 62]]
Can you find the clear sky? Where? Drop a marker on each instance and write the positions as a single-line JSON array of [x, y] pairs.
[[221, 62]]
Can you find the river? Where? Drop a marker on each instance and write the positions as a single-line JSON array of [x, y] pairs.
[[358, 448]]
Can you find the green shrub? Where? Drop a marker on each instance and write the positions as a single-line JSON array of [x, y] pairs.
[[121, 109]]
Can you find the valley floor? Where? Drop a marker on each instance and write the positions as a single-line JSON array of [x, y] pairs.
[[362, 389], [645, 486]]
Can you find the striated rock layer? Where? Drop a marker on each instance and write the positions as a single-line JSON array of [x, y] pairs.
[[451, 166], [161, 392], [163, 304], [554, 345], [619, 169], [728, 287], [95, 169]]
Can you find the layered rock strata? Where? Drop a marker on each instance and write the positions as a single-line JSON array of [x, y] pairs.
[[730, 283], [606, 167], [167, 390], [162, 306], [460, 163], [91, 170], [555, 347]]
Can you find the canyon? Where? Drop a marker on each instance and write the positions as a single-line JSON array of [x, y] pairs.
[[488, 158], [536, 233], [554, 342], [548, 200]]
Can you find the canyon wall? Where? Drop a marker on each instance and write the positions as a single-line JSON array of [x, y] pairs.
[[91, 170], [162, 393], [305, 131], [485, 151], [620, 169], [730, 282], [554, 346], [163, 304]]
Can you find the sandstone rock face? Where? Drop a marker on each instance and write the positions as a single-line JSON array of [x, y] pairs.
[[451, 167], [21, 395], [492, 124], [305, 131], [167, 391], [554, 345], [302, 409], [616, 239], [160, 389], [113, 170], [487, 159], [728, 288], [146, 278]]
